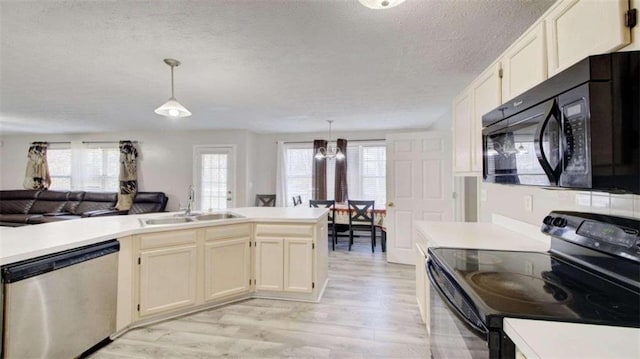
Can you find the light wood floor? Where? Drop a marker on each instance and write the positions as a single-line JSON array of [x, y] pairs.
[[368, 310]]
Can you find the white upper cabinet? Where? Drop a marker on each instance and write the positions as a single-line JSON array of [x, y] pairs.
[[580, 28], [486, 89], [462, 129], [524, 64]]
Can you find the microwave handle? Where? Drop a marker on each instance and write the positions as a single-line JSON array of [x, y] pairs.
[[551, 173]]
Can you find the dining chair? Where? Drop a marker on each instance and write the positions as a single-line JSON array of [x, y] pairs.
[[265, 200], [361, 219], [331, 204], [297, 200]]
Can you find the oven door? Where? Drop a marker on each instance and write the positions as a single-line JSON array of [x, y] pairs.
[[456, 328], [525, 148]]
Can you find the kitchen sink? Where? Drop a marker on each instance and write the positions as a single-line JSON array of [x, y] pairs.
[[215, 216], [168, 220], [190, 218]]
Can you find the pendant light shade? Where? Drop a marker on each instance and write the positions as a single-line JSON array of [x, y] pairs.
[[380, 4], [172, 108]]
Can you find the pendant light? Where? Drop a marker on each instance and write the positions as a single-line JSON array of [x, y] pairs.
[[329, 152], [380, 4], [172, 108]]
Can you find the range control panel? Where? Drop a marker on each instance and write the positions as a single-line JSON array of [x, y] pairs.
[[614, 235]]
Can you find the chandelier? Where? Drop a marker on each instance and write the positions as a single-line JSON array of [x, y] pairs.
[[329, 152], [172, 108]]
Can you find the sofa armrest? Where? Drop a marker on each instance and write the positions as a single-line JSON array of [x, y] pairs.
[[104, 212], [56, 214]]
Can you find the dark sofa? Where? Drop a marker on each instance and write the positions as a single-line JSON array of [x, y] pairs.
[[22, 207]]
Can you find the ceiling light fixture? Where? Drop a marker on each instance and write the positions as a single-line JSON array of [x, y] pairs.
[[172, 108], [329, 152], [380, 4]]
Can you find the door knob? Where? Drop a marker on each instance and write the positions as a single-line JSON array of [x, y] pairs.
[[390, 204]]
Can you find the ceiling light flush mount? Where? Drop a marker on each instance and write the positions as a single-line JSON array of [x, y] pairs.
[[172, 108], [380, 4], [329, 152]]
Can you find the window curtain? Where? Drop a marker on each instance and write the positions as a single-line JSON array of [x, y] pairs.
[[37, 174], [128, 175], [319, 173], [281, 175], [340, 188]]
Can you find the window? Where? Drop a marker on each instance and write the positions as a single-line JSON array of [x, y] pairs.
[[59, 161], [88, 167], [366, 172], [100, 168]]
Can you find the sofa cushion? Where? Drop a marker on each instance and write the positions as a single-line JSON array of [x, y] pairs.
[[17, 201], [96, 200], [49, 201], [148, 202], [48, 219], [73, 200], [17, 218]]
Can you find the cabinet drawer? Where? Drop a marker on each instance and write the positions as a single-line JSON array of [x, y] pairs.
[[230, 231], [165, 239], [286, 230]]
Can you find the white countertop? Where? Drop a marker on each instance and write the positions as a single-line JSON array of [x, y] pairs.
[[480, 236], [27, 242], [544, 339]]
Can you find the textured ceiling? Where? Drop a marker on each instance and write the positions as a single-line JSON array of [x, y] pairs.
[[266, 66]]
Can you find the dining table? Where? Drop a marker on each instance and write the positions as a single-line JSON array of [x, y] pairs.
[[342, 215]]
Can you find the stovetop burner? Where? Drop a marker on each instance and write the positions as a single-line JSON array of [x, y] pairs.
[[519, 287]]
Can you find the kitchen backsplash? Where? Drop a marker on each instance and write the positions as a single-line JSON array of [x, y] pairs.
[[530, 204]]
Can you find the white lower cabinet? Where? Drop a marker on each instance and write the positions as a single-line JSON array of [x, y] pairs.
[[167, 273], [298, 269], [269, 264], [284, 262], [227, 262], [180, 270]]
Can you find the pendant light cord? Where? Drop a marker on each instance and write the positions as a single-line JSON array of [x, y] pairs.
[[172, 81]]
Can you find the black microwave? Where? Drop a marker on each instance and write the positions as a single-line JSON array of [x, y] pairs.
[[579, 129]]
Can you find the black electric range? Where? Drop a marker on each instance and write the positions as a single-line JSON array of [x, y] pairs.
[[590, 275]]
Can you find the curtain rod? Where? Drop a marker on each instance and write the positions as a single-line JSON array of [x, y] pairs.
[[348, 141], [55, 142], [105, 142]]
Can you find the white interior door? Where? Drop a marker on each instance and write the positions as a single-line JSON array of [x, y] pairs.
[[419, 187], [214, 177]]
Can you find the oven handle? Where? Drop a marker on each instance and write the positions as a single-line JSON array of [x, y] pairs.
[[552, 174], [481, 332]]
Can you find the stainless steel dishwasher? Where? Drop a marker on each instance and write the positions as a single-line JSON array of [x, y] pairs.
[[60, 305]]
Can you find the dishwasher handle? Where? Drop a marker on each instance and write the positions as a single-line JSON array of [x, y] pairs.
[[32, 267]]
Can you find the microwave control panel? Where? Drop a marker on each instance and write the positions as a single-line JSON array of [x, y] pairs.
[[575, 129]]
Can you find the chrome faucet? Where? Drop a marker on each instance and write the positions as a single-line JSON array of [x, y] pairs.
[[190, 197]]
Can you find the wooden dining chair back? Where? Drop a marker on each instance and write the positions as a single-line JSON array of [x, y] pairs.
[[265, 200], [297, 200], [331, 219], [361, 219]]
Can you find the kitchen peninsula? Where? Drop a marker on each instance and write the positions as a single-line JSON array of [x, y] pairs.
[[165, 270]]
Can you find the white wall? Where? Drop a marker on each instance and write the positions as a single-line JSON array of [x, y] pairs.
[[165, 163], [166, 158], [509, 200]]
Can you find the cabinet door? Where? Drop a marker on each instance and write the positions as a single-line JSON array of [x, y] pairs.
[[227, 266], [462, 128], [486, 91], [524, 64], [577, 29], [269, 269], [167, 279], [298, 265]]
